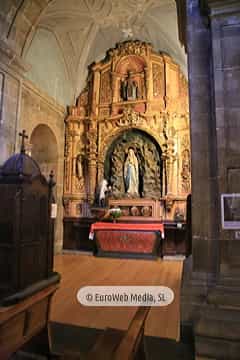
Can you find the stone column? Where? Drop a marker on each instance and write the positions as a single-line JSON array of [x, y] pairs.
[[225, 28], [203, 142], [210, 296], [202, 266]]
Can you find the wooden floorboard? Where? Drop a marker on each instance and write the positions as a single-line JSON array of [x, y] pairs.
[[85, 270]]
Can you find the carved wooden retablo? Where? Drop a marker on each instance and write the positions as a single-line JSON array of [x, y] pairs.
[[130, 126]]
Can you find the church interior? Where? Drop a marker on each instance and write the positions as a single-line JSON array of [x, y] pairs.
[[119, 167]]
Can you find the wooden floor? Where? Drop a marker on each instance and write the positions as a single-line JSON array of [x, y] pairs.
[[85, 270]]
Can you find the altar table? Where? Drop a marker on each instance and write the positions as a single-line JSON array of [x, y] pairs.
[[128, 240]]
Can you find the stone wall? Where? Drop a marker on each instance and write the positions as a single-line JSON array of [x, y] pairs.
[[37, 108], [22, 106], [211, 286], [17, 19], [10, 86], [200, 269], [225, 27]]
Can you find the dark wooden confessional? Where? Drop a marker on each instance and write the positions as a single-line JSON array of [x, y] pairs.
[[27, 280]]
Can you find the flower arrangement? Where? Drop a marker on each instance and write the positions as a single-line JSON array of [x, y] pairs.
[[115, 213]]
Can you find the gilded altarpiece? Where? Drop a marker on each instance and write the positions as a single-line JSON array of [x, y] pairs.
[[134, 99]]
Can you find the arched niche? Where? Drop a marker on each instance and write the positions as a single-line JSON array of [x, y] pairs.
[[44, 149], [131, 70], [130, 63], [149, 155]]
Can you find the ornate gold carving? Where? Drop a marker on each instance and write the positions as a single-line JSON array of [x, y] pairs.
[[186, 165], [154, 109], [79, 184], [104, 113], [82, 104], [67, 142], [157, 80], [105, 92], [146, 211], [67, 176], [83, 98], [186, 184], [130, 118], [130, 48], [136, 207], [92, 143], [185, 144]]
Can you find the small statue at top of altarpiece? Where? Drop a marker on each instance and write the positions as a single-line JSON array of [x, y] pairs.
[[129, 90]]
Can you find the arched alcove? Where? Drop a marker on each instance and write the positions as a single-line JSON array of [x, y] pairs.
[[148, 153], [44, 149], [130, 63], [132, 77]]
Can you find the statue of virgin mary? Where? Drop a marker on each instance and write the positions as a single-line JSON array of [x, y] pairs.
[[131, 174]]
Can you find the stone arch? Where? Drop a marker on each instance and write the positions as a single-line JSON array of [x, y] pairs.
[[131, 72], [44, 149], [118, 131]]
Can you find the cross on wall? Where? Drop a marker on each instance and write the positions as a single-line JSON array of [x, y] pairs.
[[24, 137]]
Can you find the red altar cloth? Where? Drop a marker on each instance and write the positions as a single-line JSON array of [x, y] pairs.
[[123, 226]]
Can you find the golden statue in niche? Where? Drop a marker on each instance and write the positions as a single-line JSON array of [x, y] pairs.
[[134, 99]]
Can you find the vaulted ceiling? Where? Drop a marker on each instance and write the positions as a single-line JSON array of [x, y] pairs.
[[85, 29]]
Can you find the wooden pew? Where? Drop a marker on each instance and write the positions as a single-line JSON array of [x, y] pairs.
[[133, 338], [22, 321], [115, 344]]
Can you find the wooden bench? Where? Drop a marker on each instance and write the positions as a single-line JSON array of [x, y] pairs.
[[115, 344], [22, 321]]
